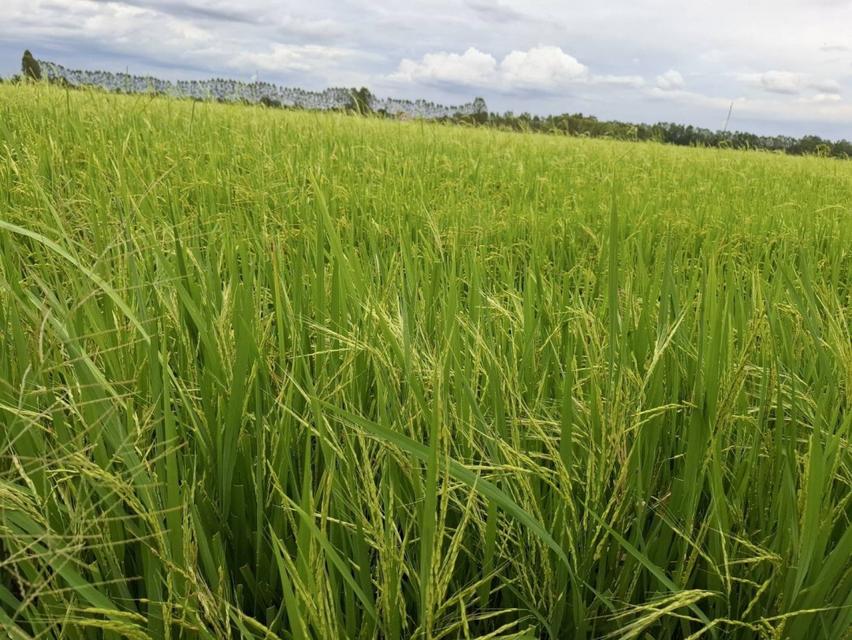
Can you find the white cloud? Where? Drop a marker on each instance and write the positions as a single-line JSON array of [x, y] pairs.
[[472, 68], [776, 81], [284, 57], [543, 69], [825, 86], [671, 80], [790, 83]]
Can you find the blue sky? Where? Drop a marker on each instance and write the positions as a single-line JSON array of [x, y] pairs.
[[785, 64]]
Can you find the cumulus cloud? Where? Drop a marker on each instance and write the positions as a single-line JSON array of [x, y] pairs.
[[671, 80], [777, 81], [546, 69], [284, 57], [541, 68], [473, 67], [825, 86], [790, 83]]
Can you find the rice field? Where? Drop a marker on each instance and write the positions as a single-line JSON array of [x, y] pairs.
[[270, 374]]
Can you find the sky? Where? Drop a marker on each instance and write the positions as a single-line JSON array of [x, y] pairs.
[[785, 65]]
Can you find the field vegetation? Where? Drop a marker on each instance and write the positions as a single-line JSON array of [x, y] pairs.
[[274, 374]]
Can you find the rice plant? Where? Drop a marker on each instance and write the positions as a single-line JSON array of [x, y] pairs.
[[272, 374]]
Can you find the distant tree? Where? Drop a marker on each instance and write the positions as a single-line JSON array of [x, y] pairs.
[[360, 100], [480, 111], [30, 67], [266, 101], [842, 149], [808, 145]]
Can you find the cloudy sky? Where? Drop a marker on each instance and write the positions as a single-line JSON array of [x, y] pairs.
[[786, 65]]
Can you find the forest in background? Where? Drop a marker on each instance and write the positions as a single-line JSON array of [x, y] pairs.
[[363, 101]]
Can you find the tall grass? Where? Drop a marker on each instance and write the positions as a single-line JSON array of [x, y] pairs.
[[289, 375]]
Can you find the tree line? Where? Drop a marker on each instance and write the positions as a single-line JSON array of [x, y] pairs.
[[362, 101], [578, 124]]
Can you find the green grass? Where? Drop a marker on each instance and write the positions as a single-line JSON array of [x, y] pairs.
[[290, 375]]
